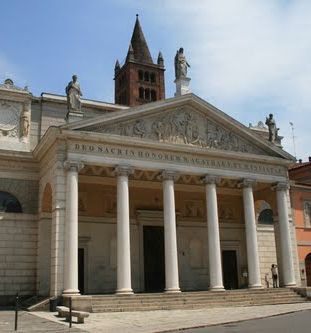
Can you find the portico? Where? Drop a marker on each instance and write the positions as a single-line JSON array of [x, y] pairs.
[[123, 179]]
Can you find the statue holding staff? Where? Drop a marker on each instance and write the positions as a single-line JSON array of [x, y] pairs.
[[273, 130], [73, 93]]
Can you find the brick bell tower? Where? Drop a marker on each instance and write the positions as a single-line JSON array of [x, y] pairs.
[[139, 80]]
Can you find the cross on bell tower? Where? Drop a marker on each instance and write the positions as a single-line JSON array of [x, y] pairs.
[[139, 80]]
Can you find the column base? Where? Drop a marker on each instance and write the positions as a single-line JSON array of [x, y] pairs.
[[172, 290], [255, 286], [217, 288], [124, 292], [290, 285], [71, 292]]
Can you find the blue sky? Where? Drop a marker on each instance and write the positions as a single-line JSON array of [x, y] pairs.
[[248, 57]]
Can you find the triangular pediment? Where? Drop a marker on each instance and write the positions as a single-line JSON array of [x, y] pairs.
[[193, 122]]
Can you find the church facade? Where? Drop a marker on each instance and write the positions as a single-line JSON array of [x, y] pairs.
[[149, 194]]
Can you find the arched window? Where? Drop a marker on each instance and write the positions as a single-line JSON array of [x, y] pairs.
[[141, 93], [9, 204], [152, 77], [153, 95], [146, 76], [147, 94], [266, 217], [140, 75]]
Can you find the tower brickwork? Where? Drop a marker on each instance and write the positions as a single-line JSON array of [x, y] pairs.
[[139, 80]]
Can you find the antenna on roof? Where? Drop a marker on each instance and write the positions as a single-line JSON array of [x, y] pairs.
[[293, 137]]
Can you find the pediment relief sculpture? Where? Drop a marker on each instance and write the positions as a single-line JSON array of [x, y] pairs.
[[181, 127]]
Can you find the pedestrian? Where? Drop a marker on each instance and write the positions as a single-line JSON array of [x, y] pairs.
[[274, 272]]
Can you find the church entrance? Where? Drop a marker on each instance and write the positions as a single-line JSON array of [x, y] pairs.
[[308, 269], [230, 269], [154, 265]]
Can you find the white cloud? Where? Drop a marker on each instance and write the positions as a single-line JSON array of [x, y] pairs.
[[249, 58]]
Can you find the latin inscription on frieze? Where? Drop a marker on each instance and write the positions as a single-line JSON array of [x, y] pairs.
[[177, 158]]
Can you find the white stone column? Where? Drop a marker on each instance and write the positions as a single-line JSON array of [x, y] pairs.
[[170, 238], [254, 278], [288, 273], [214, 252], [71, 228], [124, 285]]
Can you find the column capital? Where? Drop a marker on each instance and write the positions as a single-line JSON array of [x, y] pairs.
[[211, 179], [169, 175], [123, 170], [73, 165], [246, 182], [281, 186]]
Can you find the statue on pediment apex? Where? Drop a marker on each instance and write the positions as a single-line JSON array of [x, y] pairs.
[[181, 65]]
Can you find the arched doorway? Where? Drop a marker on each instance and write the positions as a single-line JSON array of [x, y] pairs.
[[308, 269]]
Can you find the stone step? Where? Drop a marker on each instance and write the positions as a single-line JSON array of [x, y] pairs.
[[189, 301], [186, 306], [196, 293], [180, 304], [223, 296], [192, 300], [186, 297]]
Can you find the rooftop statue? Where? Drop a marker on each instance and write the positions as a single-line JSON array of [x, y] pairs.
[[273, 130], [181, 65], [73, 93]]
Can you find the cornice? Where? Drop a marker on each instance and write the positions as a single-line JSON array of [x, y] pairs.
[[60, 99]]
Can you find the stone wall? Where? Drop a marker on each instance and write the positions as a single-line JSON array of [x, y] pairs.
[[18, 252], [267, 252], [18, 240], [44, 255], [26, 191]]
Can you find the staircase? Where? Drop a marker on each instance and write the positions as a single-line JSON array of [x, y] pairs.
[[193, 300]]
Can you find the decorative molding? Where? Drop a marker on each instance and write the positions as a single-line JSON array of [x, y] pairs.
[[211, 179], [10, 113], [247, 182], [281, 186], [9, 85], [193, 208], [227, 213], [123, 170], [73, 165], [169, 175]]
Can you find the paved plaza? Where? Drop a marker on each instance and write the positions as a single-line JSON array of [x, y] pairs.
[[286, 323], [156, 321], [29, 323]]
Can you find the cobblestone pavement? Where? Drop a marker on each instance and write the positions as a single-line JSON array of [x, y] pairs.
[[164, 321], [29, 323]]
